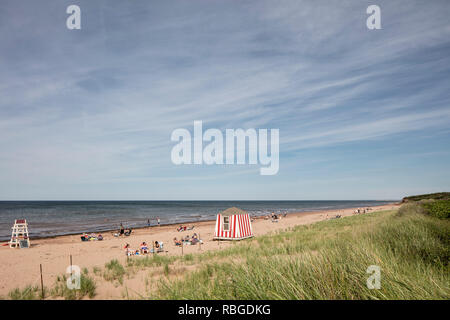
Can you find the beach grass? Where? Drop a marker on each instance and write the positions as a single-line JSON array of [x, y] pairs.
[[87, 288], [96, 270], [154, 260], [59, 290], [28, 293], [328, 260], [114, 271]]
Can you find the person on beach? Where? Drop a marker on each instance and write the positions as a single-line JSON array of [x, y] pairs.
[[148, 222], [144, 247], [194, 239], [121, 230], [159, 221], [127, 250], [176, 242], [155, 248]]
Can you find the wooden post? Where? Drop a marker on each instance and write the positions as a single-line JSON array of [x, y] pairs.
[[199, 243], [42, 282], [153, 245], [70, 265], [182, 245]]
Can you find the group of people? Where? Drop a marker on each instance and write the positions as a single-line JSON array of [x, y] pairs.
[[274, 217], [362, 210], [158, 246], [187, 240], [158, 221], [123, 232], [91, 237]]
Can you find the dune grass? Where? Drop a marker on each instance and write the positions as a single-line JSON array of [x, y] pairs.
[[114, 271], [328, 260], [58, 290], [28, 293], [87, 288]]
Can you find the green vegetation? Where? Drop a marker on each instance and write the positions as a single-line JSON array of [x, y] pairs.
[[28, 293], [96, 270], [435, 208], [114, 271], [328, 260], [155, 260], [439, 209], [166, 269], [434, 196], [87, 288]]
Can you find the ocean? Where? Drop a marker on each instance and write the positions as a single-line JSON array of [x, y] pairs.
[[53, 218]]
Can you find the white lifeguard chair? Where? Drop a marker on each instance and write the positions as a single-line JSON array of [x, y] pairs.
[[19, 236]]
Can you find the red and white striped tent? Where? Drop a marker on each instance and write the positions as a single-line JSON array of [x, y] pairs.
[[233, 224]]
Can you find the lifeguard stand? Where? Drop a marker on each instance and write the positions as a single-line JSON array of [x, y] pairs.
[[19, 237]]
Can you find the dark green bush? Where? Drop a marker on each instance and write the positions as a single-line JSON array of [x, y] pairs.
[[439, 209]]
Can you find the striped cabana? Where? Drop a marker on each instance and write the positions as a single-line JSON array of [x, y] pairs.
[[233, 224]]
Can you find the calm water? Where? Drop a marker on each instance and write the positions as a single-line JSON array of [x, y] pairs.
[[51, 218]]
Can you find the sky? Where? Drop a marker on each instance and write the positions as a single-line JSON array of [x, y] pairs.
[[88, 114]]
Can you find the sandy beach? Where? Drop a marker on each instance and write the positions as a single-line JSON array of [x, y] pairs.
[[20, 267]]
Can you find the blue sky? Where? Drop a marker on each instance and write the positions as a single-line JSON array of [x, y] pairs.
[[88, 114]]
